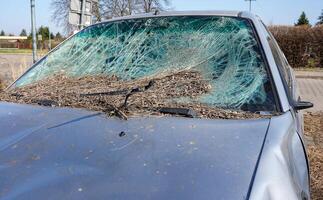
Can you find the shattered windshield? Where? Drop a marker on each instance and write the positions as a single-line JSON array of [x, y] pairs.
[[201, 62]]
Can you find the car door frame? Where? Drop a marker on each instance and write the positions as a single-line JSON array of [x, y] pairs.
[[291, 90]]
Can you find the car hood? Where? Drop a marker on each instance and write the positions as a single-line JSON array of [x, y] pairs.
[[63, 153]]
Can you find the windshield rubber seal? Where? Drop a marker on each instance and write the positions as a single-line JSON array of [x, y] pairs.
[[278, 106]]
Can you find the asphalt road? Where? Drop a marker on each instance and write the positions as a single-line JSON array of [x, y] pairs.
[[312, 90]]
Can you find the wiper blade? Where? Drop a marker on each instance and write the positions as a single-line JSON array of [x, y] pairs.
[[46, 102], [136, 90], [117, 112], [117, 92], [187, 112], [128, 93], [16, 95]]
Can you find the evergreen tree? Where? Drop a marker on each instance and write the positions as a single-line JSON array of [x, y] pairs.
[[2, 33], [44, 32], [23, 32], [302, 20], [320, 18], [58, 36]]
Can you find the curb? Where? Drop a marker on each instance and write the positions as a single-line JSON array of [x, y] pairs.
[[309, 77]]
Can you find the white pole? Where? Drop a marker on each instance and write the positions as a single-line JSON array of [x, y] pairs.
[[82, 14], [33, 30]]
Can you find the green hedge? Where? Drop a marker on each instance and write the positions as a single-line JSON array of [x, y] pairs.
[[302, 45]]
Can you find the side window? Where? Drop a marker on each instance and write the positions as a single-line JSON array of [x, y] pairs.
[[282, 65], [280, 59]]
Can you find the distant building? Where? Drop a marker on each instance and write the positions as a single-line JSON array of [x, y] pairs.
[[13, 42]]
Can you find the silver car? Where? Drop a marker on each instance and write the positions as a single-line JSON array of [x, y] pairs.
[[174, 105]]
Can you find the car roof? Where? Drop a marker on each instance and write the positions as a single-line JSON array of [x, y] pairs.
[[242, 14]]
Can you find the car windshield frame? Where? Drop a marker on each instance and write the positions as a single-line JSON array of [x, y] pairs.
[[261, 52]]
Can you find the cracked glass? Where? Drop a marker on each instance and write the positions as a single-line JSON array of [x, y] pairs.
[[223, 50]]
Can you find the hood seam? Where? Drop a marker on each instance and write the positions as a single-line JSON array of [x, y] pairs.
[[257, 163]]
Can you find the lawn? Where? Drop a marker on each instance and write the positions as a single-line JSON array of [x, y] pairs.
[[21, 51]]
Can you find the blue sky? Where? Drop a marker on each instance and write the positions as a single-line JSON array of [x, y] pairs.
[[15, 14]]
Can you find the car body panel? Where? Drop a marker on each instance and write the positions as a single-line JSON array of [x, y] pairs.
[[282, 172], [60, 151]]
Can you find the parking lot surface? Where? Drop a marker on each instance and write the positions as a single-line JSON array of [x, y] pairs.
[[312, 90]]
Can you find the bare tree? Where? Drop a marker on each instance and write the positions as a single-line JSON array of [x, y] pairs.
[[60, 14], [96, 11], [106, 9], [117, 8], [151, 5]]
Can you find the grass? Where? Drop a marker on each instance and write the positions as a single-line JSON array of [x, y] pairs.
[[16, 72], [10, 71], [21, 51]]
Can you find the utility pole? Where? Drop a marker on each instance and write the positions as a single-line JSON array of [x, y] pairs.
[[33, 30], [82, 23], [250, 4]]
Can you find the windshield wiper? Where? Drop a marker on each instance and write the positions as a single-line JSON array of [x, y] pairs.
[[17, 95], [117, 92], [116, 111], [136, 90], [186, 112], [122, 92], [128, 93], [46, 102]]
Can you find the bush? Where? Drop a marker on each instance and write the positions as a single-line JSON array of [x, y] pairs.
[[302, 45]]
